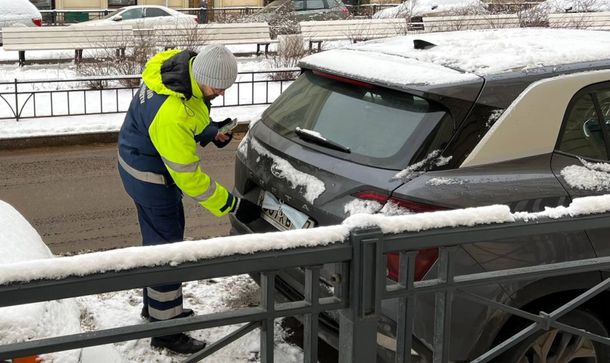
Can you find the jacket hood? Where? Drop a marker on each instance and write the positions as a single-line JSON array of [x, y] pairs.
[[169, 73]]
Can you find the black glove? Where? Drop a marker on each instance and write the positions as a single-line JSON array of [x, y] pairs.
[[221, 144], [246, 211], [208, 134]]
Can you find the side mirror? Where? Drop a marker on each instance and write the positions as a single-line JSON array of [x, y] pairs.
[[117, 18]]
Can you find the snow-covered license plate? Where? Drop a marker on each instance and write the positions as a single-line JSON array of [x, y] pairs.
[[282, 216]]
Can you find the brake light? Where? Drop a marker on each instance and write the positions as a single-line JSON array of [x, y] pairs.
[[37, 21], [423, 261], [196, 20], [344, 10], [30, 359], [344, 79], [424, 258]]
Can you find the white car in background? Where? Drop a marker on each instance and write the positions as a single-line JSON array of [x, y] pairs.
[[143, 16], [18, 13], [420, 8], [19, 242]]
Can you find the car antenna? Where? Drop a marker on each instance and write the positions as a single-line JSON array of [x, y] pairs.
[[422, 44]]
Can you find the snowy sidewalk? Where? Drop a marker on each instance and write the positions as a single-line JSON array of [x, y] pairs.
[[92, 124]]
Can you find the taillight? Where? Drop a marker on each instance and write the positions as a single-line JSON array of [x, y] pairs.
[[30, 359], [424, 258], [423, 261], [197, 20], [37, 21], [344, 10], [344, 79]]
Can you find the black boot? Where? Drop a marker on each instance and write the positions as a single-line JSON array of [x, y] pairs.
[[179, 343], [185, 313]]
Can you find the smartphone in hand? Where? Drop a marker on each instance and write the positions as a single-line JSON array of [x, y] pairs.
[[228, 127]]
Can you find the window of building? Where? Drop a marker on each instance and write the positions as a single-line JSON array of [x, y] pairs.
[[121, 3]]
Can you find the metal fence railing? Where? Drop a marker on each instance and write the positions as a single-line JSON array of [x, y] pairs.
[[360, 287], [102, 95]]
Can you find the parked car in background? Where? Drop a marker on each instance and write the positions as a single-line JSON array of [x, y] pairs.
[[20, 242], [437, 121], [144, 16], [18, 13], [417, 9], [283, 15]]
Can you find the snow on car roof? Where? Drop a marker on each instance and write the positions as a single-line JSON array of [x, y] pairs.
[[12, 8], [432, 7], [461, 56]]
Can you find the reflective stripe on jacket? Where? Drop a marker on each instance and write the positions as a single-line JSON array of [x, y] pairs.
[[165, 120]]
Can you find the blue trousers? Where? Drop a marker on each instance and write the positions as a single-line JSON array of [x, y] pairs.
[[160, 226]]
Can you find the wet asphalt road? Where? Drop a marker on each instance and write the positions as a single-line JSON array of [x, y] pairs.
[[74, 198]]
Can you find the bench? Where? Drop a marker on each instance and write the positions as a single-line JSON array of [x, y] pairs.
[[596, 21], [470, 22], [22, 39], [355, 30], [196, 35]]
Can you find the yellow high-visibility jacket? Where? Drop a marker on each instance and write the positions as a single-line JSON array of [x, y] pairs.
[[167, 119]]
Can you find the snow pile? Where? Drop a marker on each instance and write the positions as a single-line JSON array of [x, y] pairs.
[[282, 169], [590, 176], [361, 206], [12, 10], [19, 243], [578, 207], [411, 8], [425, 221]]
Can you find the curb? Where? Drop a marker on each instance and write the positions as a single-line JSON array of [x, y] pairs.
[[109, 137], [59, 140]]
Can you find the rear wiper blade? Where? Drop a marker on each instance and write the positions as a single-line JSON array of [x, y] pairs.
[[315, 137]]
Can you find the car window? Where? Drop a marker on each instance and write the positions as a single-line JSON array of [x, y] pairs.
[[377, 124], [155, 12], [298, 5], [132, 14], [585, 130], [315, 4]]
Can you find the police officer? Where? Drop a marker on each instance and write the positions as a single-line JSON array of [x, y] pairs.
[[158, 162]]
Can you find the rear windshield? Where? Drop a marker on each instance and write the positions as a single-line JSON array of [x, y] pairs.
[[378, 125]]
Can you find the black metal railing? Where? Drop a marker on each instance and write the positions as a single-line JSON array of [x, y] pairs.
[[360, 288], [102, 95]]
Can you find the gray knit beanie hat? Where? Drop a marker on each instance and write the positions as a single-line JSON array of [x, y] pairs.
[[215, 66]]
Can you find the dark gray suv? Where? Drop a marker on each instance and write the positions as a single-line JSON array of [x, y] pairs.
[[445, 121]]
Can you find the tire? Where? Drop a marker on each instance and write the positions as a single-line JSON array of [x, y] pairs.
[[557, 346]]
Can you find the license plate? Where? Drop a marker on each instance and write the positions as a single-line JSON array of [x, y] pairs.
[[282, 216]]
